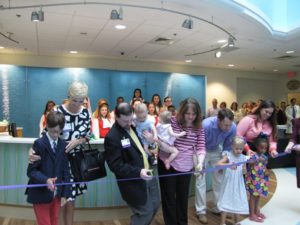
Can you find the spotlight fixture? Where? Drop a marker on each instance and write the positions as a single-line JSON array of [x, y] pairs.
[[116, 15], [188, 23], [37, 16], [230, 42], [218, 54]]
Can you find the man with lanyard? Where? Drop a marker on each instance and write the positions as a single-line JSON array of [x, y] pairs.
[[126, 158], [219, 132]]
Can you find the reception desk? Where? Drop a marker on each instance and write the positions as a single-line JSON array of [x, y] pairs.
[[13, 166]]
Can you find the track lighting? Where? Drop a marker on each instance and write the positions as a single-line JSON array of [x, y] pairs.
[[116, 15], [37, 16], [230, 42], [188, 23]]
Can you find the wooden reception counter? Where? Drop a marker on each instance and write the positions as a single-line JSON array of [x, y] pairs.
[[13, 166]]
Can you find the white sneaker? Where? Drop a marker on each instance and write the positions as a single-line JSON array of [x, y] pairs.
[[202, 218], [215, 210]]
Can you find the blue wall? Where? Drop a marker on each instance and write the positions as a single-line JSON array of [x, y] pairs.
[[25, 90]]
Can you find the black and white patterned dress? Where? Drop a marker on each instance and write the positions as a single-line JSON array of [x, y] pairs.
[[76, 126]]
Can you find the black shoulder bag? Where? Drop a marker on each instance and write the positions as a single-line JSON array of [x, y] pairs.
[[91, 165]]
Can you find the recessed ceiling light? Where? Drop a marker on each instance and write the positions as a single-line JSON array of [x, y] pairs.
[[218, 54], [222, 41], [230, 65], [1, 47], [120, 27], [290, 52], [73, 52], [275, 70], [188, 60]]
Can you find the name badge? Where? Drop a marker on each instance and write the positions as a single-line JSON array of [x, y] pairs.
[[125, 143]]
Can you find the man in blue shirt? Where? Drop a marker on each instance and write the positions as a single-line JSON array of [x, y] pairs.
[[219, 132]]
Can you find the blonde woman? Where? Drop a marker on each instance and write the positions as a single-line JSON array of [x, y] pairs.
[[75, 132]]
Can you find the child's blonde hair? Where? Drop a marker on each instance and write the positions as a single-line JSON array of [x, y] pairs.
[[141, 108], [238, 141], [165, 117]]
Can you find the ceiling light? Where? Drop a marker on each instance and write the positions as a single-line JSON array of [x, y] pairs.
[[37, 16], [1, 47], [188, 23], [116, 15], [290, 52], [120, 27], [73, 52], [222, 41], [188, 60], [230, 65], [218, 54], [275, 70], [230, 42]]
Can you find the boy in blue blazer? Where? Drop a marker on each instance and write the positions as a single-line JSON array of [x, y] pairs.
[[51, 169]]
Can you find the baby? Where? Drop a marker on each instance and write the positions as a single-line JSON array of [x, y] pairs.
[[142, 123], [166, 134]]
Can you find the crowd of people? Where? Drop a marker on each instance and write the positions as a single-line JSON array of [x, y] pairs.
[[141, 136]]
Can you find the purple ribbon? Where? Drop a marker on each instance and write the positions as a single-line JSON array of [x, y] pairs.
[[209, 170]]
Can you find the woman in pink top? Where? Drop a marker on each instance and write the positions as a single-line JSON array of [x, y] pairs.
[[174, 183], [262, 120]]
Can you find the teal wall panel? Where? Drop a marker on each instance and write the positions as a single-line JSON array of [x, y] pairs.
[[27, 89]]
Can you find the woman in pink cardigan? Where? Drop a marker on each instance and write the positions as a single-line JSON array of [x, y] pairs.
[[261, 121]]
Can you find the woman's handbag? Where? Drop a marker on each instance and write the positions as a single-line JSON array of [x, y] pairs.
[[90, 165]]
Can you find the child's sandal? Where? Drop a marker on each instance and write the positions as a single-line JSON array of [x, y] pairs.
[[256, 219]]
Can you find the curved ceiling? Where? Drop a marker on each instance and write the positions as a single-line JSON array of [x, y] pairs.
[[280, 16], [86, 27]]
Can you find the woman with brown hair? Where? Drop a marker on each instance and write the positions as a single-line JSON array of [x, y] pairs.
[[49, 106], [102, 124], [175, 189], [261, 121]]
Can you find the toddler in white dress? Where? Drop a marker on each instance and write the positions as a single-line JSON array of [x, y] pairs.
[[166, 134], [233, 195]]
